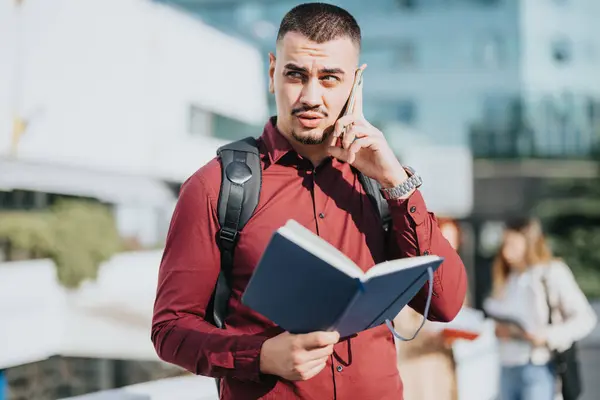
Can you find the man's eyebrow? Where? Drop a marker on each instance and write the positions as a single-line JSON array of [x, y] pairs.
[[294, 67], [332, 71]]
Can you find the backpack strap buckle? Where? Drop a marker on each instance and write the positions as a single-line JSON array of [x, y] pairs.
[[228, 238]]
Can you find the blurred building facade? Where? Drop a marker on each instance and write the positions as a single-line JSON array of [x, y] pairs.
[[115, 100], [507, 77]]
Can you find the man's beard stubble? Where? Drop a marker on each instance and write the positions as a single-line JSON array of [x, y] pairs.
[[311, 140]]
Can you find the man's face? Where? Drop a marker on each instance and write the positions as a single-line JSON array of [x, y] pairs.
[[311, 82]]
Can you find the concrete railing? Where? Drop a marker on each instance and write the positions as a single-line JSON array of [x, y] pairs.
[[181, 388]]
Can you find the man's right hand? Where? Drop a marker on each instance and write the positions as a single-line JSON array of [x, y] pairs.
[[297, 357]]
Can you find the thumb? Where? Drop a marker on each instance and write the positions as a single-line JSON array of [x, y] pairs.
[[338, 152]]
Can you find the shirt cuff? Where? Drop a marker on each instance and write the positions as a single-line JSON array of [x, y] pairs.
[[554, 338], [413, 208], [247, 357]]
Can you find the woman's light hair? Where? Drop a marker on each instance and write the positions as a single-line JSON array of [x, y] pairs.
[[537, 250]]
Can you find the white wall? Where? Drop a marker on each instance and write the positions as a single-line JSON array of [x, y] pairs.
[[541, 23], [448, 192], [107, 83], [30, 312], [107, 318]]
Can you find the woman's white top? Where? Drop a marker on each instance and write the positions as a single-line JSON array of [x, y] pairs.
[[524, 300]]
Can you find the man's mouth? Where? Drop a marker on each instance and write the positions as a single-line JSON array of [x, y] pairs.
[[309, 119]]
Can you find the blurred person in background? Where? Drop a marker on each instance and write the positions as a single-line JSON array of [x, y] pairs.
[[429, 354], [530, 286], [307, 175], [451, 231]]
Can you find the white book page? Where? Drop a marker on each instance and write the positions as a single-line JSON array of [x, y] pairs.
[[306, 239], [391, 266]]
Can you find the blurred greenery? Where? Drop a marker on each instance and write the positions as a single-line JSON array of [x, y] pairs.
[[27, 231], [571, 217], [77, 235], [580, 248]]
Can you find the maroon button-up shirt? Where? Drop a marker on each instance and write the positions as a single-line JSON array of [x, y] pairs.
[[331, 202]]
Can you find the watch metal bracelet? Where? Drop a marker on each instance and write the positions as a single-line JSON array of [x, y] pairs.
[[401, 190]]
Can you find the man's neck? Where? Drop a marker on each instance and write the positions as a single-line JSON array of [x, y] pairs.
[[315, 153]]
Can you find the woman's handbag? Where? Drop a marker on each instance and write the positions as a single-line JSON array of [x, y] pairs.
[[566, 363]]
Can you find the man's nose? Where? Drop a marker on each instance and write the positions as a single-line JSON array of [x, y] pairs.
[[312, 93]]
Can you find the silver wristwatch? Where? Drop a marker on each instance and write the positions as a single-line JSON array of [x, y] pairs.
[[396, 192]]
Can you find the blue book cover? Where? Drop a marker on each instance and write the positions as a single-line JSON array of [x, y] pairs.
[[304, 284]]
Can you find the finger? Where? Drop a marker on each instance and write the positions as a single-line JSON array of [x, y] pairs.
[[358, 102], [317, 354], [339, 153], [359, 144], [333, 140], [316, 340], [342, 125], [313, 371], [348, 138], [309, 365]]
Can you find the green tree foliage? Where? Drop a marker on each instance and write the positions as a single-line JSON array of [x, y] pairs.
[[77, 235], [571, 216], [580, 248]]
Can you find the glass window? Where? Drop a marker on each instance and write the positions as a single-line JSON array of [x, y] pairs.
[[200, 121], [591, 50], [405, 54], [233, 129], [387, 110], [407, 111], [561, 51], [407, 4], [489, 51]]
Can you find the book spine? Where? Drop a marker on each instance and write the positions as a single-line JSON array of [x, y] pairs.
[[359, 291]]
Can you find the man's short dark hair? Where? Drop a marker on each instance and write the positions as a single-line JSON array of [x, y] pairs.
[[320, 22]]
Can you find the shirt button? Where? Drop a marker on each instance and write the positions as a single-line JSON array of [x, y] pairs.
[[340, 368], [413, 209], [321, 215]]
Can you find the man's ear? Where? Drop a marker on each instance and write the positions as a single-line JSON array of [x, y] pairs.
[[271, 72]]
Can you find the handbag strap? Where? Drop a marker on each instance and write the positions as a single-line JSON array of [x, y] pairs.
[[547, 296]]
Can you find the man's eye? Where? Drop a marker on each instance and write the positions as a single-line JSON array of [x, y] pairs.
[[330, 79], [294, 74]]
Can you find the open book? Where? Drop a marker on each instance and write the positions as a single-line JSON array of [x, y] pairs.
[[304, 284], [468, 324]]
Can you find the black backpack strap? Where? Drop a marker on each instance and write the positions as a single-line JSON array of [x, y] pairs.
[[240, 191], [372, 188]]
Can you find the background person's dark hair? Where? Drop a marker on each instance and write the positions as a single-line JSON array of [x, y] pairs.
[[320, 22]]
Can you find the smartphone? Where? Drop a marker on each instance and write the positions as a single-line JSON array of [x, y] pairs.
[[349, 109], [352, 98]]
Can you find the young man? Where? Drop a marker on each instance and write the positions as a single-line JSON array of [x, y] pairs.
[[307, 175]]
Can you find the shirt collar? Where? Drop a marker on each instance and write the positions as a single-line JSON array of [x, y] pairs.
[[276, 145]]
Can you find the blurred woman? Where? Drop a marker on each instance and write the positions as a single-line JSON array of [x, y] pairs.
[[528, 283]]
